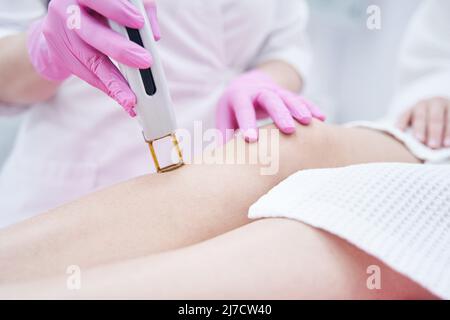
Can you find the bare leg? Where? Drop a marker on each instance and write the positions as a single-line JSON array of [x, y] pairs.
[[268, 259], [159, 213]]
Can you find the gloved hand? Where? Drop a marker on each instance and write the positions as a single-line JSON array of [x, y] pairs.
[[58, 47], [253, 96]]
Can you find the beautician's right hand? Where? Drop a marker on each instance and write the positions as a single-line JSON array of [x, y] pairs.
[[74, 38]]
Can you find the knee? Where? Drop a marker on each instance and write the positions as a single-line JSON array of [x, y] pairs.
[[318, 136], [316, 146]]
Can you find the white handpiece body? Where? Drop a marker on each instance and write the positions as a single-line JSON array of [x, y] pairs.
[[154, 107]]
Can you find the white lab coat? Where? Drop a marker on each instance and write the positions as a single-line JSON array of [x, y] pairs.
[[425, 57], [81, 140]]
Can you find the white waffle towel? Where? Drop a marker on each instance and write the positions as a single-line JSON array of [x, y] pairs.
[[399, 213]]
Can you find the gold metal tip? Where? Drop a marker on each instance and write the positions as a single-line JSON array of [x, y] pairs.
[[171, 167]]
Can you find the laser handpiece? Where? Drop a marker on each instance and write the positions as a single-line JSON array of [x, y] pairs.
[[154, 108]]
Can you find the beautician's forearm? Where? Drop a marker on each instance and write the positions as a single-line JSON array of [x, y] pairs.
[[283, 74], [19, 82]]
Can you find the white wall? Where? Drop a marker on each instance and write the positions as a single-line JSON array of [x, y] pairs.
[[8, 128], [355, 67]]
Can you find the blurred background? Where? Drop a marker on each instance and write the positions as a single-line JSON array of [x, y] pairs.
[[354, 73], [355, 68]]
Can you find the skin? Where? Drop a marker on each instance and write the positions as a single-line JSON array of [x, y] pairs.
[[19, 82], [283, 74], [304, 263], [126, 228], [125, 244], [278, 71], [430, 121]]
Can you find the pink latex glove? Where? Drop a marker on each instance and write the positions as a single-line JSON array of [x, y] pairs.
[[254, 95], [60, 47]]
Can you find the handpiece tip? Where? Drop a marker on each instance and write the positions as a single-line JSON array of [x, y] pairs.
[[173, 166]]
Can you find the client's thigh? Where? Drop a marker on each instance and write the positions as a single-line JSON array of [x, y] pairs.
[[268, 259], [164, 212], [273, 259]]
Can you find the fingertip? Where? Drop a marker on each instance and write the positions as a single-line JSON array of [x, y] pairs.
[[121, 11], [304, 120], [152, 14], [288, 130], [155, 27], [322, 118], [286, 126], [434, 144], [149, 61], [314, 110], [127, 101], [140, 59], [316, 113], [420, 137], [251, 135], [132, 113], [447, 142], [136, 19], [137, 23], [251, 140], [302, 114]]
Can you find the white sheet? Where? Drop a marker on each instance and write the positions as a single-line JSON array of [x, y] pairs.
[[417, 148], [399, 213]]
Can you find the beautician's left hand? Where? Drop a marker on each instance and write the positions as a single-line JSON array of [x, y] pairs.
[[254, 95], [429, 121]]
